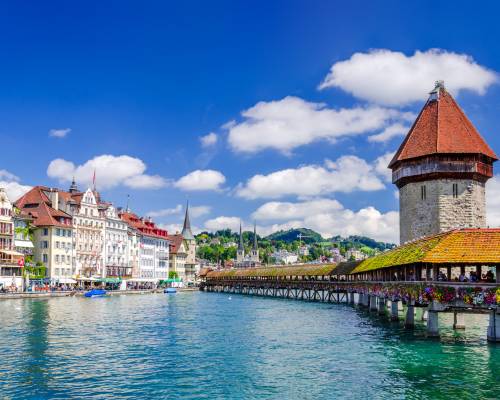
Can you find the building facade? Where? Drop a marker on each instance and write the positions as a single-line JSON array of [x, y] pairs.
[[178, 255], [153, 248], [441, 169], [191, 267], [116, 245], [52, 232]]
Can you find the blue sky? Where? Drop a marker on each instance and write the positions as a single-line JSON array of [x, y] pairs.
[[131, 88]]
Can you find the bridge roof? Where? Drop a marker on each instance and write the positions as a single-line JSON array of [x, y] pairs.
[[463, 246], [295, 270]]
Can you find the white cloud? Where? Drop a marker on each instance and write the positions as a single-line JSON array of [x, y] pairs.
[[201, 180], [165, 212], [326, 216], [393, 78], [381, 166], [199, 211], [223, 222], [346, 174], [10, 183], [390, 132], [59, 133], [111, 171], [493, 202], [330, 218], [291, 122], [209, 140]]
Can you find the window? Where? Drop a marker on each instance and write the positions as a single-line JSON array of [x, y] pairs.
[[423, 192], [57, 258], [45, 258], [455, 190], [45, 231]]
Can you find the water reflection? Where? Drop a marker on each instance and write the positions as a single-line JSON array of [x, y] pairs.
[[199, 345]]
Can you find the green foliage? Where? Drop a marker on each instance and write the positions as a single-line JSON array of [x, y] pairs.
[[172, 275], [291, 235]]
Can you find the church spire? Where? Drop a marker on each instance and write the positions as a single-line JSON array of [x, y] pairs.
[[73, 188], [254, 235], [240, 245], [186, 229]]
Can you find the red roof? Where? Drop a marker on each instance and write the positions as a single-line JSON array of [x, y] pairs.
[[442, 128], [37, 204], [175, 242], [146, 227]]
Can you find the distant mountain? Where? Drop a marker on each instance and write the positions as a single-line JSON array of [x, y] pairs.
[[359, 241], [308, 236]]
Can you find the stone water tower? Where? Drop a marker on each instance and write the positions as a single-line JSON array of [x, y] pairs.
[[441, 169]]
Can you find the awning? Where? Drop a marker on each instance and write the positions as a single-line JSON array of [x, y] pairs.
[[23, 243], [142, 280], [12, 253], [109, 280]]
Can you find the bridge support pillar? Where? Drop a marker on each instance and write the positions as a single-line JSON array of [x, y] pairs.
[[381, 305], [395, 310], [458, 321], [351, 298], [373, 302], [433, 324], [366, 300], [410, 316], [493, 334], [425, 314]]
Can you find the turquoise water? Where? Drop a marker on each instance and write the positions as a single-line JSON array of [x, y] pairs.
[[207, 345]]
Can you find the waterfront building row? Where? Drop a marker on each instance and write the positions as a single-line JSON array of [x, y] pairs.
[[74, 237]]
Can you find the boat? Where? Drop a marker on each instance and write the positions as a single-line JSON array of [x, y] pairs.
[[95, 293], [170, 290]]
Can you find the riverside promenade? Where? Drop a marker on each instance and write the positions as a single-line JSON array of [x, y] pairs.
[[455, 272]]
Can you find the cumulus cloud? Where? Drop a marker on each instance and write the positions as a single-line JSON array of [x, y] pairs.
[[12, 186], [111, 171], [201, 180], [347, 174], [326, 216], [493, 202], [329, 218], [393, 78], [209, 140], [389, 133], [165, 212], [59, 133], [381, 166], [291, 122]]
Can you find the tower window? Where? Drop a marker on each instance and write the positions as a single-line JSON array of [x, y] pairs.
[[455, 190], [423, 192]]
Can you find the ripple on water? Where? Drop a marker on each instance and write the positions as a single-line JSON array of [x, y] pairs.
[[199, 345]]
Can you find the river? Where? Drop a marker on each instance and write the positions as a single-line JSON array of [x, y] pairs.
[[216, 346]]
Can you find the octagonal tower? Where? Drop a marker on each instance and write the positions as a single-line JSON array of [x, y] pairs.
[[441, 169]]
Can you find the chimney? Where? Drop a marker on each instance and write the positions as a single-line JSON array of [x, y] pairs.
[[54, 198]]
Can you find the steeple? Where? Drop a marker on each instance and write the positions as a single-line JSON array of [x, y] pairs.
[[73, 188], [240, 245], [255, 235], [186, 229]]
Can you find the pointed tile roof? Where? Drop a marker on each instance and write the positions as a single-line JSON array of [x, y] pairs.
[[186, 229], [441, 128]]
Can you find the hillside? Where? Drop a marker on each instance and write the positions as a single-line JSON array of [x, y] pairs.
[[308, 236]]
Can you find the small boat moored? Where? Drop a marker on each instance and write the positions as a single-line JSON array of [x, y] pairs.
[[170, 290], [95, 293]]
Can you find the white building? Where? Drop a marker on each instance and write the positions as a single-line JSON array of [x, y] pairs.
[[355, 254], [116, 245], [285, 257]]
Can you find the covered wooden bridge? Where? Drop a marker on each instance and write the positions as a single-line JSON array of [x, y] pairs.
[[454, 272]]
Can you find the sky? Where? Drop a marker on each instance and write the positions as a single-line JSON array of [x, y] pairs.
[[281, 112]]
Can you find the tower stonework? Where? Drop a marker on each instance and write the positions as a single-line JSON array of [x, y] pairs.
[[441, 169]]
